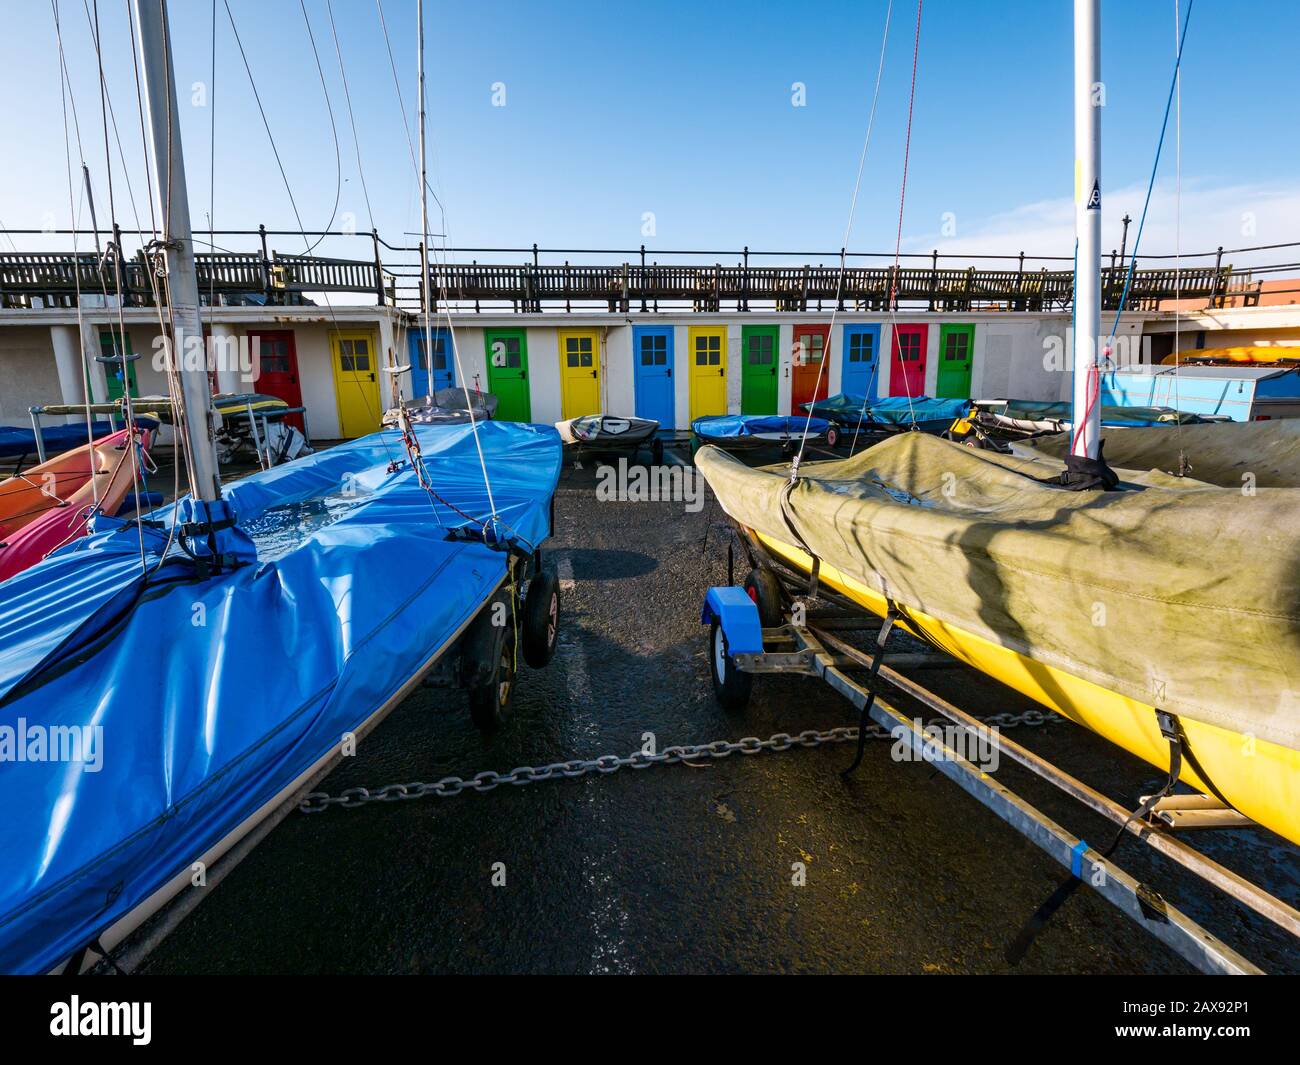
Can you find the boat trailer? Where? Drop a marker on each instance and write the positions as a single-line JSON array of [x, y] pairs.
[[771, 625]]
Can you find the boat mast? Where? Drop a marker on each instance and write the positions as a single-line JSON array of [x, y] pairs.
[[164, 137], [424, 206], [1086, 435]]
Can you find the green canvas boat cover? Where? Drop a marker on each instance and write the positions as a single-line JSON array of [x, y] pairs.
[[1200, 585], [1222, 453]]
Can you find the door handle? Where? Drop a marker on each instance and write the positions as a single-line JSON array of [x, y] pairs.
[[593, 373], [668, 373], [523, 375], [722, 372], [372, 377]]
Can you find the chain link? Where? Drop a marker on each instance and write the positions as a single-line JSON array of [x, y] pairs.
[[350, 798]]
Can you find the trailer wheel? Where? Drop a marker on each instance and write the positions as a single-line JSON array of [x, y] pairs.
[[832, 436], [764, 589], [487, 668], [541, 619], [731, 686]]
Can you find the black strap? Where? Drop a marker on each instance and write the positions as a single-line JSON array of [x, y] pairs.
[[1082, 474], [74, 964], [872, 685], [1171, 729]]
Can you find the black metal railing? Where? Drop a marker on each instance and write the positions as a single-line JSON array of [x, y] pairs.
[[641, 282]]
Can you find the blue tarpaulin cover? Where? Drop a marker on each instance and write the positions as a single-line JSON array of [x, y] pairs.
[[211, 695], [17, 441], [727, 426], [846, 409]]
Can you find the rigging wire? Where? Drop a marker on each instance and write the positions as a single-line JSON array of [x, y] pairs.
[[66, 98], [1183, 467], [334, 130], [848, 229], [347, 96]]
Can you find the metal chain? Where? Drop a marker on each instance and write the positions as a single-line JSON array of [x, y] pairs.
[[349, 798]]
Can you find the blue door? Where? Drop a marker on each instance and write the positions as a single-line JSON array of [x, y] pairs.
[[861, 362], [440, 356], [652, 355]]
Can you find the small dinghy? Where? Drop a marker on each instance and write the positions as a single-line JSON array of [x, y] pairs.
[[742, 431], [892, 414], [54, 503], [608, 432]]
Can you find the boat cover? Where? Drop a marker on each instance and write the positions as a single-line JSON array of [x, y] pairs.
[[730, 426], [845, 409], [1061, 412], [1222, 453], [607, 429], [1201, 584], [16, 441], [213, 694]]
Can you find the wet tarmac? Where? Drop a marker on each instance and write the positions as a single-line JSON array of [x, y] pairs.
[[685, 868]]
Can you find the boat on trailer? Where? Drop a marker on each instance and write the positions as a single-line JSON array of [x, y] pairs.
[[1092, 591], [852, 415], [743, 432], [204, 695], [609, 434]]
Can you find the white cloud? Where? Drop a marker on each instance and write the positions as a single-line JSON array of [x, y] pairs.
[[1234, 216]]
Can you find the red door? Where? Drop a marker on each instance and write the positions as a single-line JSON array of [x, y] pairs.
[[809, 357], [907, 368], [277, 366]]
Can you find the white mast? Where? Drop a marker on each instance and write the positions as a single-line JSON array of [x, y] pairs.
[[164, 136], [1086, 436], [424, 207]]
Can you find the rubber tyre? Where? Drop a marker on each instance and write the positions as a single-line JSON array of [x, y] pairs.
[[764, 589], [490, 701], [657, 453], [731, 686], [541, 625], [832, 436]]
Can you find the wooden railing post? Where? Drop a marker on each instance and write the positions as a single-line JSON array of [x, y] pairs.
[[266, 263], [379, 269]]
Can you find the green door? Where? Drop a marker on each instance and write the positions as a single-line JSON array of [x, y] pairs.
[[758, 369], [956, 343], [110, 347], [507, 362]]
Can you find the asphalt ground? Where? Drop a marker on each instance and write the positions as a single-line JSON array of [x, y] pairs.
[[690, 868]]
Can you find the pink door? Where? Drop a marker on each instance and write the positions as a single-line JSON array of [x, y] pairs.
[[907, 368]]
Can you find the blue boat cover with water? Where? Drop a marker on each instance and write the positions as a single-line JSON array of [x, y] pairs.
[[725, 426], [202, 698], [846, 409]]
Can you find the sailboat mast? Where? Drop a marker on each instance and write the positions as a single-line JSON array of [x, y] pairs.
[[1088, 91], [424, 204], [164, 138]]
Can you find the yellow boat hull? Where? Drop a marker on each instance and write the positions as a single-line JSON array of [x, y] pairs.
[[1260, 779]]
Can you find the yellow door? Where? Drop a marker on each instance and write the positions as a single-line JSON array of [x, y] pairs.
[[580, 372], [708, 370], [356, 383]]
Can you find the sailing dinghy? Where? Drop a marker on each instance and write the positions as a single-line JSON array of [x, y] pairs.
[[200, 702], [53, 503]]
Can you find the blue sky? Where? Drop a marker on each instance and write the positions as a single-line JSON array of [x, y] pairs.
[[684, 110]]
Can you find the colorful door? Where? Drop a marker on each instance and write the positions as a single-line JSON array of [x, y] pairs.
[[810, 377], [507, 368], [438, 354], [579, 372], [356, 383], [111, 347], [907, 367], [861, 376], [277, 368], [652, 355], [758, 369], [708, 370], [956, 346]]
